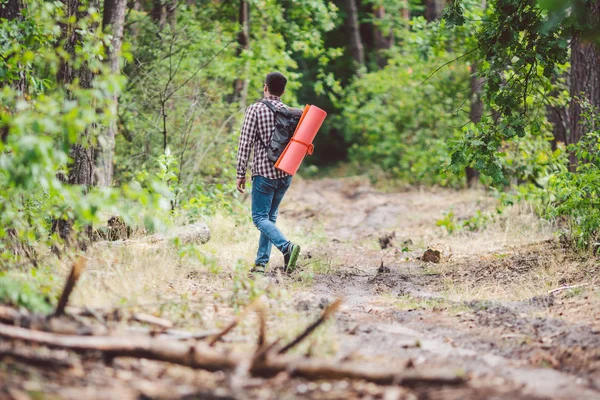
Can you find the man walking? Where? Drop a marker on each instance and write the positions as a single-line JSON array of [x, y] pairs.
[[268, 183]]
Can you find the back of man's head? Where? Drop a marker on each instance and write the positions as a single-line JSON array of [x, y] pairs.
[[276, 83]]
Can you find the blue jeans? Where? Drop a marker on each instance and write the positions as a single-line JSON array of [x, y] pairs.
[[266, 197]]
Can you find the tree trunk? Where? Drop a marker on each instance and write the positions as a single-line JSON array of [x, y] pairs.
[[383, 40], [81, 171], [476, 112], [559, 118], [585, 75], [158, 13], [82, 153], [11, 10], [356, 44], [172, 13], [434, 9], [113, 21], [240, 85]]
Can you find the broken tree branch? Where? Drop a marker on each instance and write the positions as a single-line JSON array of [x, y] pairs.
[[332, 308], [173, 334], [560, 289], [256, 304], [262, 329], [9, 314], [202, 356], [196, 233], [33, 357], [76, 270], [152, 320]]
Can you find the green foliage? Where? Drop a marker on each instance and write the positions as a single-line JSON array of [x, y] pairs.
[[401, 121], [41, 126], [244, 289], [475, 223], [447, 222], [575, 196], [524, 45], [20, 293]]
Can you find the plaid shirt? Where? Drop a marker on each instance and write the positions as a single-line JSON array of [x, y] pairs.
[[257, 130]]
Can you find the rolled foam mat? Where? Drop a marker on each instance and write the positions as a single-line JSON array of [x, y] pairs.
[[301, 143]]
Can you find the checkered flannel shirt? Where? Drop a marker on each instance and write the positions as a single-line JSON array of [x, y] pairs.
[[256, 133]]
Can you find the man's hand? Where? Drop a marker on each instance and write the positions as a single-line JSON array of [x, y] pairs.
[[241, 185]]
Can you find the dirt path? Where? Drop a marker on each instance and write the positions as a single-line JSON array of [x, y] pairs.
[[510, 349], [483, 311]]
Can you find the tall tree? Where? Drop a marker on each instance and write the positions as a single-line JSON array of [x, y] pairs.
[[558, 116], [585, 69], [82, 168], [356, 44], [433, 9], [82, 153], [11, 10], [158, 13], [383, 40], [475, 113], [112, 22], [240, 85]]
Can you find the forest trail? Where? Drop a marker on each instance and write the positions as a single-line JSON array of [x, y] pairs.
[[461, 314], [483, 312]]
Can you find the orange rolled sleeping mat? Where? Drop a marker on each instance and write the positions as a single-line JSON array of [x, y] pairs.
[[301, 143]]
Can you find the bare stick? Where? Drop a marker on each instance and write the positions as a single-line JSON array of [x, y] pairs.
[[33, 357], [201, 356], [253, 306], [560, 289], [173, 334], [9, 314], [262, 330], [152, 320], [261, 354], [309, 329], [76, 270]]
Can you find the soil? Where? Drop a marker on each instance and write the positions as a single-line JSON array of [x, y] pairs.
[[506, 350], [394, 268]]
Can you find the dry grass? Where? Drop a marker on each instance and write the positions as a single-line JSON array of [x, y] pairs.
[[201, 287], [196, 287]]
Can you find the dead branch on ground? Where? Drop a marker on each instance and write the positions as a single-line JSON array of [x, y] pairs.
[[202, 356], [332, 308], [255, 305], [76, 270]]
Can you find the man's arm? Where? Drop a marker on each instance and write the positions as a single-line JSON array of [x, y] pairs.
[[247, 136]]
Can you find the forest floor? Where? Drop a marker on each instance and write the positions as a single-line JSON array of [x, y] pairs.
[[502, 303]]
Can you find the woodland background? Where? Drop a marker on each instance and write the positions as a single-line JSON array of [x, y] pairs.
[[132, 108]]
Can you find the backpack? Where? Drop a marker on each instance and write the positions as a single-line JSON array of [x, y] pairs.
[[286, 121]]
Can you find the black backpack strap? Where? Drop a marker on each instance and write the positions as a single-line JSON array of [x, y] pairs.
[[272, 108], [270, 105]]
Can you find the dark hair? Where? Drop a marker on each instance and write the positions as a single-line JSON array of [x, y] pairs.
[[276, 83]]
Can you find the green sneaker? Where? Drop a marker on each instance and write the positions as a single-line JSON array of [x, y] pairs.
[[290, 257], [258, 269]]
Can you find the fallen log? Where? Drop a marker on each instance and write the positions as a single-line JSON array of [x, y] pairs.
[[196, 233], [72, 325], [174, 334], [33, 357], [9, 314], [202, 356]]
